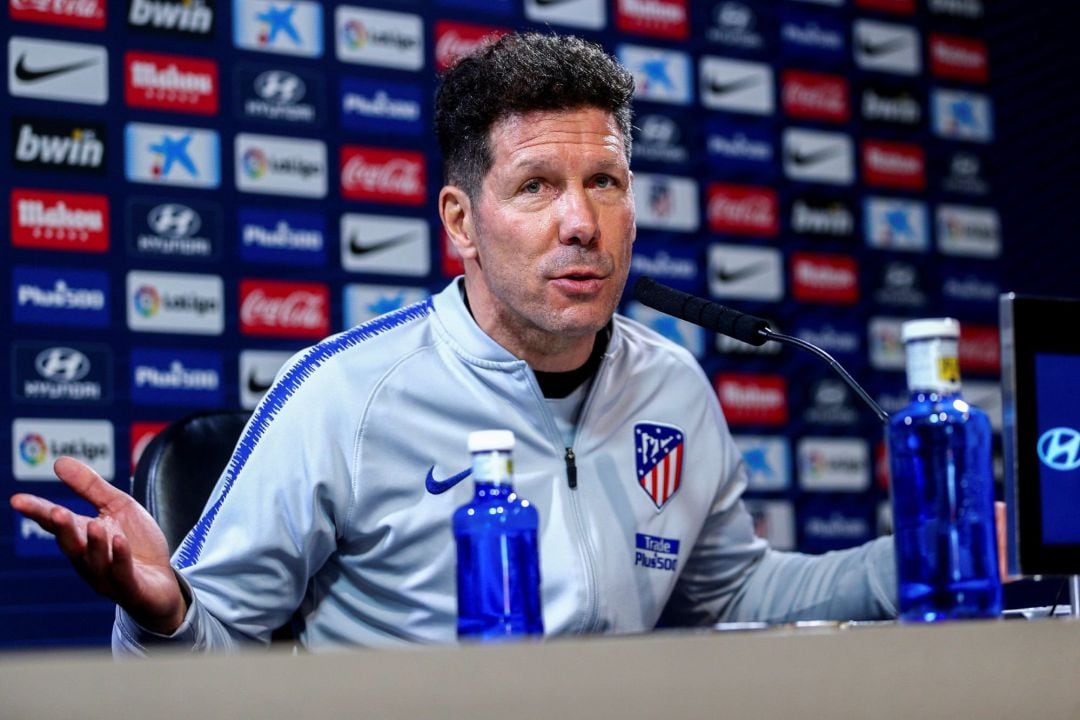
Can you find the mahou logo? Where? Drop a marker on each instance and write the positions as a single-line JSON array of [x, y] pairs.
[[171, 82], [743, 210], [452, 40], [893, 165], [958, 58], [814, 96], [659, 18], [284, 309], [59, 221], [86, 14], [900, 7], [824, 278], [376, 174], [753, 399]]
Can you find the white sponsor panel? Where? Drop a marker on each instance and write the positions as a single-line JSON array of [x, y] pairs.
[[37, 443], [887, 47], [774, 520], [258, 369], [590, 14], [968, 231], [833, 464], [680, 332], [379, 37], [175, 303], [287, 28], [659, 75], [767, 459], [385, 244], [364, 302], [280, 166], [896, 224], [737, 86], [171, 155], [54, 70], [960, 115], [666, 202], [747, 273], [815, 156], [886, 348], [970, 9]]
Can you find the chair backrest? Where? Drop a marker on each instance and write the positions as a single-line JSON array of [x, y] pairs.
[[180, 466]]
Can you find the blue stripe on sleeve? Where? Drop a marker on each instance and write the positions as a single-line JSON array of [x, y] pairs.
[[275, 400]]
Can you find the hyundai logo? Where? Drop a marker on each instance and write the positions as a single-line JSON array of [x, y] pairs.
[[1059, 448], [173, 220], [62, 364], [279, 86]]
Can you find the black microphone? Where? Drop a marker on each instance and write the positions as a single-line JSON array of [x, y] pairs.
[[732, 323]]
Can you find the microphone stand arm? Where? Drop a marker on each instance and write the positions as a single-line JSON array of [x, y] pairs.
[[790, 340]]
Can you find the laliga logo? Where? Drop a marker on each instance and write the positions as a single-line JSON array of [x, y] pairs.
[[32, 449], [1059, 448], [356, 35], [254, 163], [147, 301]]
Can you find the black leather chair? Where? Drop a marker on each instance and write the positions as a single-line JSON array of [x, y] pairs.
[[180, 466], [178, 470]]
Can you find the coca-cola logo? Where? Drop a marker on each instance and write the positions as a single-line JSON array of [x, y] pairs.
[[815, 96], [452, 40], [284, 309], [376, 174], [743, 210]]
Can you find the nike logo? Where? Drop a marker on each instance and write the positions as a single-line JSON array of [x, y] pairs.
[[800, 157], [256, 386], [438, 487], [356, 248], [873, 49], [27, 75], [725, 275], [720, 87]]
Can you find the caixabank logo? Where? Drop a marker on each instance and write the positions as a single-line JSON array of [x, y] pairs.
[[660, 75], [181, 18], [962, 115], [286, 237], [70, 373], [174, 83], [364, 302], [171, 155], [162, 228], [287, 28], [83, 14], [190, 378], [178, 303], [70, 222], [60, 297], [896, 224], [39, 143]]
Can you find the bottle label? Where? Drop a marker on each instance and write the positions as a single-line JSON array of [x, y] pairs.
[[496, 467], [933, 364]]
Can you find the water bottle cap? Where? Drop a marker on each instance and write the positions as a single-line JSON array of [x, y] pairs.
[[485, 440], [929, 328]]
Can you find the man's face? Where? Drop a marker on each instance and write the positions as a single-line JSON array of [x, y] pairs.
[[551, 233]]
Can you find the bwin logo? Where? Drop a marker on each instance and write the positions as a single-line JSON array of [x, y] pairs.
[[279, 87], [1059, 448], [62, 364], [173, 220]]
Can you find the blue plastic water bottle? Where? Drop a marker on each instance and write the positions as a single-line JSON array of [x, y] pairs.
[[498, 561], [942, 486]]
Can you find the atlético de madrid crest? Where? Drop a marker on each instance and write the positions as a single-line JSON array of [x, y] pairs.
[[658, 450]]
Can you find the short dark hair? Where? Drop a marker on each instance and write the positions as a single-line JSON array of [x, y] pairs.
[[520, 73]]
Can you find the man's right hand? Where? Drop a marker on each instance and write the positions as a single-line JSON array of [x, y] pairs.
[[121, 553]]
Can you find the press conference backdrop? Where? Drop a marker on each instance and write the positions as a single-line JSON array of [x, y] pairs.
[[198, 189]]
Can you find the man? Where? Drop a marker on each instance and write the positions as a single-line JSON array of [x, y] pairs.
[[338, 498]]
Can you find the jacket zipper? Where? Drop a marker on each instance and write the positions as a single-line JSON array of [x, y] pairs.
[[571, 469]]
